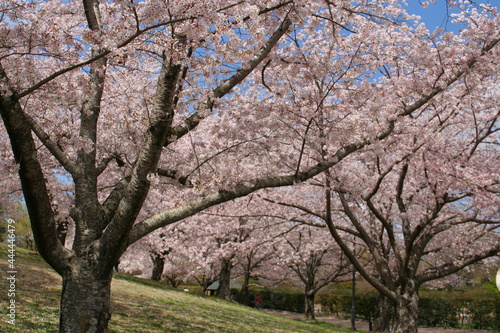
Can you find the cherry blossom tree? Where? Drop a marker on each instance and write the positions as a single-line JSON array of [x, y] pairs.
[[420, 210], [443, 234], [257, 257], [169, 257], [158, 254], [233, 238], [251, 242], [314, 260], [177, 253], [157, 248], [125, 117], [158, 259], [424, 201], [175, 271]]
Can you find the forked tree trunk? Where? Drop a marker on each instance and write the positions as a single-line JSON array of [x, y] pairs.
[[309, 303], [406, 314], [85, 303]]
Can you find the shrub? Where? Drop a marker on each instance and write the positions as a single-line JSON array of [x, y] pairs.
[[485, 313], [283, 301], [438, 312], [335, 304], [277, 300], [436, 308]]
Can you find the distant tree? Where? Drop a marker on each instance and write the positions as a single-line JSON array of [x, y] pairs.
[[16, 211], [158, 259], [315, 261], [256, 258]]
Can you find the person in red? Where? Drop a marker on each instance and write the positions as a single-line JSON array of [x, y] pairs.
[[258, 301]]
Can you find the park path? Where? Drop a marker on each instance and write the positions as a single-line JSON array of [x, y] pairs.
[[363, 324]]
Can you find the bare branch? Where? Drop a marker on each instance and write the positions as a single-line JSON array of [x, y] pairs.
[[52, 146], [299, 207]]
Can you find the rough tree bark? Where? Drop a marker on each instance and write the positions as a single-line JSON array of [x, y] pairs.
[[382, 321], [310, 296], [225, 279], [85, 302], [158, 265], [406, 313]]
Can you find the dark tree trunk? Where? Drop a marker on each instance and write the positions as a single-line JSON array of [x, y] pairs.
[[244, 289], [225, 280], [62, 231], [406, 315], [158, 265], [309, 303], [85, 302], [174, 280], [382, 321]]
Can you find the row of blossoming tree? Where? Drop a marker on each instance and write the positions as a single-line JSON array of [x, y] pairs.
[[243, 241], [122, 118]]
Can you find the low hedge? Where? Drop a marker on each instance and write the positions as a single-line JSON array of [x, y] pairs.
[[277, 300], [436, 309], [294, 302]]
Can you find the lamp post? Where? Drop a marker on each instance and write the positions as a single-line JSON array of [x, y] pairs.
[[353, 299], [353, 294]]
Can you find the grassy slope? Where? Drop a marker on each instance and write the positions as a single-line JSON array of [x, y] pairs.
[[136, 306]]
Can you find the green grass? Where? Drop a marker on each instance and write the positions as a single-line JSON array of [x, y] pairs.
[[137, 306]]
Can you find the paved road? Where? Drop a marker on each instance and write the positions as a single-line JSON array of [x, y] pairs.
[[363, 324]]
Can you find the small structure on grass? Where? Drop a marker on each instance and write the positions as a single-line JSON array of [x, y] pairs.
[[212, 289]]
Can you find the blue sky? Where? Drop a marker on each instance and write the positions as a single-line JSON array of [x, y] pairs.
[[437, 14]]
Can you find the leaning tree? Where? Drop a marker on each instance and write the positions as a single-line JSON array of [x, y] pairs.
[[124, 117]]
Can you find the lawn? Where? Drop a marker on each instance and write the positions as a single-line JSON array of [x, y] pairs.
[[137, 306]]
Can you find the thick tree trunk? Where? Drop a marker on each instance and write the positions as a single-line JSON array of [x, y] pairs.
[[309, 303], [158, 265], [225, 280], [406, 315], [85, 303], [382, 320]]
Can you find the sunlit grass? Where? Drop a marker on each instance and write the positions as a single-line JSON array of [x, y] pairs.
[[137, 306]]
